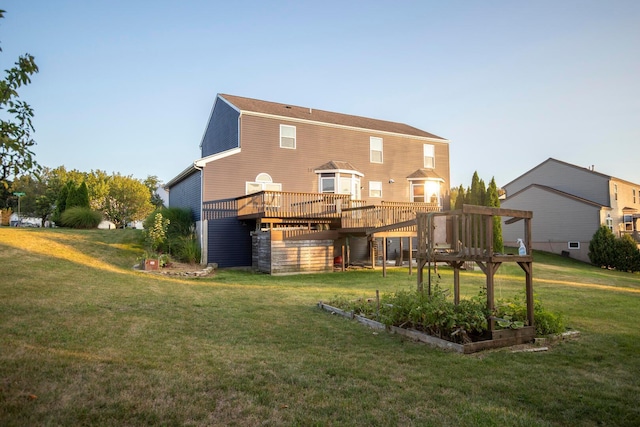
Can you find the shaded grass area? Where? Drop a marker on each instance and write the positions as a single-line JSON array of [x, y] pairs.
[[87, 341]]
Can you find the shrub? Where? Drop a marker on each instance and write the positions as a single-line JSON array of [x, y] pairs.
[[626, 254], [78, 217], [180, 225], [602, 248], [157, 233], [187, 249]]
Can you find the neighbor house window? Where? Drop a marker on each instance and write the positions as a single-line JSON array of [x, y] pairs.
[[429, 156], [615, 191], [375, 149], [375, 189], [287, 136], [573, 245], [609, 222], [634, 196], [628, 222]]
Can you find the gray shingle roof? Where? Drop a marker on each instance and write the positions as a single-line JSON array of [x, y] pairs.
[[321, 116]]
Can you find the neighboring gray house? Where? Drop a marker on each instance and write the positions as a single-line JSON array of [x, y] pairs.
[[569, 203]]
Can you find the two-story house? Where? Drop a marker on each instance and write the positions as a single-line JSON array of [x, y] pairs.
[[305, 174], [569, 204]]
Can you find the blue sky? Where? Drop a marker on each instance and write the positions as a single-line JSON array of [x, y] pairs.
[[127, 86]]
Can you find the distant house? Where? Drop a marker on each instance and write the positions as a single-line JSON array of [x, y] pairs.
[[569, 204], [296, 175]]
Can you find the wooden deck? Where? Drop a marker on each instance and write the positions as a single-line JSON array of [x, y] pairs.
[[339, 210]]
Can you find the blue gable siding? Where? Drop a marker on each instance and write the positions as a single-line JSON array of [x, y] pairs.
[[229, 242], [186, 194], [222, 130]]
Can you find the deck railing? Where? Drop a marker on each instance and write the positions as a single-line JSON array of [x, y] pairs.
[[279, 204], [293, 205], [384, 214]]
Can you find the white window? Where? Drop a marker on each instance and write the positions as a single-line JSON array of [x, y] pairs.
[[425, 192], [287, 136], [429, 156], [417, 192], [327, 183], [375, 188], [609, 222], [375, 149], [263, 182], [573, 245]]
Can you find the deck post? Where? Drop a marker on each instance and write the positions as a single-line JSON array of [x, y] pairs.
[[411, 255], [384, 257]]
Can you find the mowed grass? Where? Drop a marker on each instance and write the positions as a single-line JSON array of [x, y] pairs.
[[85, 340]]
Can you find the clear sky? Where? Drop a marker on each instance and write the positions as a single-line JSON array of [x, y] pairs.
[[128, 86]]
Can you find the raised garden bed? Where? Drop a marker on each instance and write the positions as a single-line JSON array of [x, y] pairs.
[[499, 338]]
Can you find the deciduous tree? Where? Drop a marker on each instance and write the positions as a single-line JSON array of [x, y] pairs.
[[128, 200], [16, 143]]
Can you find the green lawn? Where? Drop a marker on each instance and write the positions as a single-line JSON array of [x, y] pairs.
[[84, 340]]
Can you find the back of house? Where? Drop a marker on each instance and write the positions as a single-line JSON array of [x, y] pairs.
[[312, 166]]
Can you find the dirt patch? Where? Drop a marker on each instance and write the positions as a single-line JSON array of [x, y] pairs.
[[182, 269]]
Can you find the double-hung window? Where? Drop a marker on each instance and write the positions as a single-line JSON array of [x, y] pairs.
[[375, 188], [375, 149], [288, 137], [429, 156]]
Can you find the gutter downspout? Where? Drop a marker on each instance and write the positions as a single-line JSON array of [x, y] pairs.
[[201, 237]]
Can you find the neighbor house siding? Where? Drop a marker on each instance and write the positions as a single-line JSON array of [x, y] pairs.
[[229, 242], [315, 145], [556, 221], [222, 130], [562, 176], [186, 194]]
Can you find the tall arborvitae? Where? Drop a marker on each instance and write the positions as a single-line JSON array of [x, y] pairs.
[[493, 200], [83, 195], [460, 198], [61, 201]]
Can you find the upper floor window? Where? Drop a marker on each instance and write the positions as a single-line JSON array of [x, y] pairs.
[[615, 191], [375, 149], [375, 189], [287, 136], [634, 196], [429, 156]]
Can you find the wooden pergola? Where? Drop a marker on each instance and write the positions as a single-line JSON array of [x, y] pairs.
[[466, 235]]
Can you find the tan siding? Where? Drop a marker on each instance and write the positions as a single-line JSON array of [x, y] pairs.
[[316, 145]]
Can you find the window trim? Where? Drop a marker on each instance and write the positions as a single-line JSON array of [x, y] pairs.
[[285, 136], [373, 142]]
